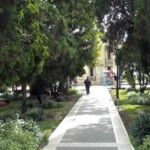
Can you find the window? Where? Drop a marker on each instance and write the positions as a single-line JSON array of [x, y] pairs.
[[91, 72], [108, 68], [108, 54]]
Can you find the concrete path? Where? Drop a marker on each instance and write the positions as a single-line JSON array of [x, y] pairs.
[[92, 124]]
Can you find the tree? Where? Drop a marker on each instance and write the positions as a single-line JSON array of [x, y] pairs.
[[34, 47], [42, 39], [122, 21], [23, 46], [61, 44], [82, 27], [74, 39], [9, 42]]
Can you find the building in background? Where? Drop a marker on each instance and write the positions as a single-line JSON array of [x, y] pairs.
[[99, 75]]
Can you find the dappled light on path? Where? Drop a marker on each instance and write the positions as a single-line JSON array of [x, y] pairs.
[[92, 124]]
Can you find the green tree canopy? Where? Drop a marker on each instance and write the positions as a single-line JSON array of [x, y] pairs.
[[50, 39], [124, 23], [74, 39]]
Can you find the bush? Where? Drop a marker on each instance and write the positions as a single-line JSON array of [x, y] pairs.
[[60, 99], [8, 96], [20, 135], [49, 103], [4, 116], [146, 143], [131, 94], [44, 140], [31, 105], [140, 128], [129, 90], [72, 91], [35, 114], [139, 98]]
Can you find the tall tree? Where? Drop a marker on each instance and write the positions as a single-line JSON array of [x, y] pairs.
[[33, 49], [9, 42], [73, 38], [122, 21], [82, 27], [61, 44]]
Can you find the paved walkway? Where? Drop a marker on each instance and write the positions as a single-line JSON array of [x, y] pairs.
[[92, 124]]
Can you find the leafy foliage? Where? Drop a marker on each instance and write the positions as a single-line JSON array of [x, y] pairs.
[[4, 116], [77, 40], [18, 134], [35, 114], [138, 98], [146, 143], [49, 103], [124, 24], [141, 127], [72, 91], [48, 40]]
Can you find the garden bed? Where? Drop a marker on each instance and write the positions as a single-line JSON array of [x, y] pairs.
[[132, 115], [47, 115]]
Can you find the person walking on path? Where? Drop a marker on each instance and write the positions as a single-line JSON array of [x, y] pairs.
[[87, 83]]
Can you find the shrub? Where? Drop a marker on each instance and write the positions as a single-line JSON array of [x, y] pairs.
[[129, 90], [60, 105], [131, 94], [44, 140], [35, 114], [4, 116], [8, 96], [19, 134], [31, 105], [72, 91], [49, 103], [60, 99], [139, 98], [146, 143], [143, 99], [141, 127]]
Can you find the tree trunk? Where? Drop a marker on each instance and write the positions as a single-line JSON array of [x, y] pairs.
[[24, 105], [130, 79], [143, 85], [63, 86]]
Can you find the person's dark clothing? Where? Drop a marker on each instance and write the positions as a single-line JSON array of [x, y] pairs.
[[87, 83]]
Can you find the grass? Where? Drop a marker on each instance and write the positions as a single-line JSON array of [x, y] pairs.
[[12, 106], [128, 112], [60, 113], [47, 125]]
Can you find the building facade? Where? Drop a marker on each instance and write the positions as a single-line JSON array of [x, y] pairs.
[[99, 74]]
